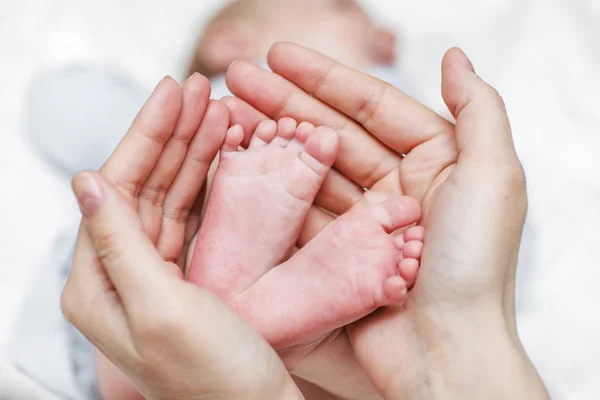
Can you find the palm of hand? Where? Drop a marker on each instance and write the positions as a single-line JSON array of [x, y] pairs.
[[160, 168], [449, 169], [478, 191]]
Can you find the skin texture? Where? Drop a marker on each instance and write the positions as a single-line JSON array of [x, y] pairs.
[[472, 190], [120, 270], [350, 269], [258, 202]]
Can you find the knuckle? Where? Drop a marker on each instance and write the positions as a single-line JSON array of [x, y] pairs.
[[155, 195], [516, 178], [510, 178], [106, 245], [282, 108], [129, 187], [68, 303], [132, 188], [321, 81], [369, 107], [516, 187], [176, 213], [73, 306]]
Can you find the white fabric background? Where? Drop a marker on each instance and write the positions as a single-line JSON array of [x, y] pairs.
[[543, 56]]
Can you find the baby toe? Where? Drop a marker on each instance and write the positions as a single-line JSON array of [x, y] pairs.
[[394, 291], [303, 131], [409, 270], [414, 233], [233, 139], [286, 129], [264, 134], [413, 249], [320, 150]]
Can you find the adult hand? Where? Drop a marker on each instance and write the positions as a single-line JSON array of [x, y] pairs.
[[456, 337], [173, 339]]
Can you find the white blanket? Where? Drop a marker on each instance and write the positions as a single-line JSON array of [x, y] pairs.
[[543, 56]]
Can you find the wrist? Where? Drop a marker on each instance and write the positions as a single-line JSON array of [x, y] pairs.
[[488, 370], [476, 360], [333, 367]]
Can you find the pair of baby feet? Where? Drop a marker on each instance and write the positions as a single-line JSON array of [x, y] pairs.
[[258, 203]]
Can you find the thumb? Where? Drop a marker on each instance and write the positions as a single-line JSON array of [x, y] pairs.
[[482, 128], [131, 261]]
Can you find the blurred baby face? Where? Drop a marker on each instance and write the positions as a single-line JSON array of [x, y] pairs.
[[340, 29], [343, 30]]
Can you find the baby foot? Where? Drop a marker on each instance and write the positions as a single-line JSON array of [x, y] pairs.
[[258, 203], [354, 266]]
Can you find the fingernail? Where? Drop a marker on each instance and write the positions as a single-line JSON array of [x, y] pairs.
[[190, 78], [229, 103], [89, 194], [162, 81], [233, 63], [464, 60]]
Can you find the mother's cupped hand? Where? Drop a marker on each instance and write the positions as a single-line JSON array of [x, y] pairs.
[[457, 336], [173, 339]]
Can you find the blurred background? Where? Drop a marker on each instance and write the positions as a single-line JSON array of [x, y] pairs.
[[542, 55]]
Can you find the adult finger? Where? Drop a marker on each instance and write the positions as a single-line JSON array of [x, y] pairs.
[[133, 265], [195, 94], [244, 115], [187, 186], [146, 138], [483, 131], [487, 159], [391, 116], [276, 97], [338, 194], [316, 221], [394, 118]]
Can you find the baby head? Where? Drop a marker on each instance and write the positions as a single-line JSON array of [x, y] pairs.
[[246, 29]]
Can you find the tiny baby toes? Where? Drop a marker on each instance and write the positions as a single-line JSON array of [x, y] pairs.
[[410, 244]]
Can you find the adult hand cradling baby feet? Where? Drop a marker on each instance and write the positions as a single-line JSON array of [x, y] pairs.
[[125, 294], [407, 229]]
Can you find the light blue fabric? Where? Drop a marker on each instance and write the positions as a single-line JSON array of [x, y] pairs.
[[46, 349], [76, 116]]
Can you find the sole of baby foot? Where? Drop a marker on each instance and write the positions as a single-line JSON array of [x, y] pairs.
[[346, 272], [258, 202]]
